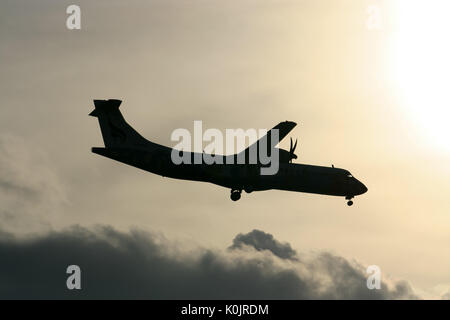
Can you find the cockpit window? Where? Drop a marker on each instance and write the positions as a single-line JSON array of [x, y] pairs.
[[349, 176]]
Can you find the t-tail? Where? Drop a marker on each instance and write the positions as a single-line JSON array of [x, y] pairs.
[[116, 132]]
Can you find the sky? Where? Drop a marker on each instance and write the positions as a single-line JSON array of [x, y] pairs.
[[370, 100]]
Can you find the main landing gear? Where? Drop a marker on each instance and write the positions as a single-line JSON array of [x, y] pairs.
[[235, 194], [349, 202]]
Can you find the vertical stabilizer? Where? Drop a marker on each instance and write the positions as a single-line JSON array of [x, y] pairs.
[[116, 131]]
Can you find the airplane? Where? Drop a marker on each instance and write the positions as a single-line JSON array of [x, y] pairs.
[[126, 145]]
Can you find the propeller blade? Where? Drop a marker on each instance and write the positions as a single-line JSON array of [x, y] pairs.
[[292, 149]]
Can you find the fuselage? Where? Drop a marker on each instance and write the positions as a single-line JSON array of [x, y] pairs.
[[290, 176]]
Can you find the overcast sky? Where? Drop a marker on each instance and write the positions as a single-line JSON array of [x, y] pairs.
[[231, 64]]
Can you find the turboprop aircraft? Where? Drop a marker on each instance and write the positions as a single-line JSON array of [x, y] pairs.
[[126, 145]]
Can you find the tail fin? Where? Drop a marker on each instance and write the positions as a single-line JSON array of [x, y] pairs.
[[116, 131]]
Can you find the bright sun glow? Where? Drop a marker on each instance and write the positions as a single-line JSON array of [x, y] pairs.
[[422, 65]]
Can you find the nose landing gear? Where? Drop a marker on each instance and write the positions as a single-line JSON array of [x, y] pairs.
[[235, 195], [349, 202]]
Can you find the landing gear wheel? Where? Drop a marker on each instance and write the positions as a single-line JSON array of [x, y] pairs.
[[349, 203], [235, 195], [248, 189]]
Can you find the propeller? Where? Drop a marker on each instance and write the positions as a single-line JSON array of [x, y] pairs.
[[292, 149]]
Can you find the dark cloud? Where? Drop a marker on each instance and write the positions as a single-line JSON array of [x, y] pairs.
[[142, 265], [261, 240]]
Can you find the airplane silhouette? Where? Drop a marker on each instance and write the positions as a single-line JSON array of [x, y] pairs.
[[124, 144]]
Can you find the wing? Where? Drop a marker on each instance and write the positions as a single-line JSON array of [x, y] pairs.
[[283, 129]]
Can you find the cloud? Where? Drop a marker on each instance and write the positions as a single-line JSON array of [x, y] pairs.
[[261, 240], [138, 264], [446, 296], [30, 191]]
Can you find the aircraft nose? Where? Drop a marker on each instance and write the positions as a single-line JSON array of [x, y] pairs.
[[358, 187], [362, 188]]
